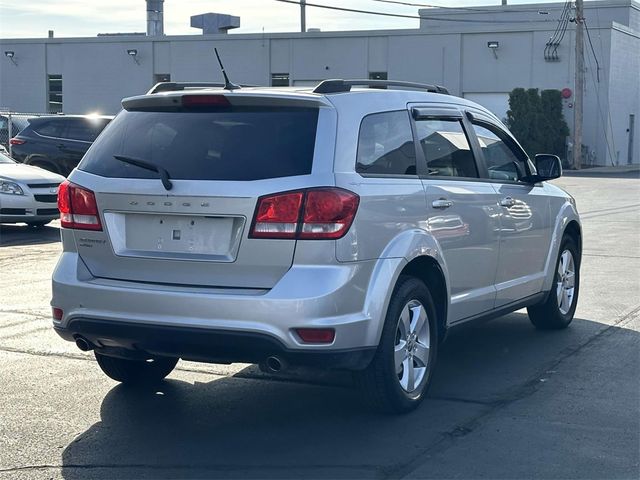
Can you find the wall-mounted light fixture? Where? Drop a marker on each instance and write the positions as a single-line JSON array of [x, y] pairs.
[[494, 46], [133, 53], [10, 54]]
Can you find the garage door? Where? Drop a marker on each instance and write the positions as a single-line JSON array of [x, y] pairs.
[[497, 103]]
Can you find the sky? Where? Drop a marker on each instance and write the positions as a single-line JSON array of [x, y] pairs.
[[87, 18]]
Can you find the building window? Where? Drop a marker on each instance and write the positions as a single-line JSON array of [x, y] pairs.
[[279, 79], [55, 93], [161, 77], [378, 76]]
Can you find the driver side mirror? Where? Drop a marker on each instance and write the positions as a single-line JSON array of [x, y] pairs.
[[548, 166]]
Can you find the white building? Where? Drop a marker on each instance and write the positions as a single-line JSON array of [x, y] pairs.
[[479, 53]]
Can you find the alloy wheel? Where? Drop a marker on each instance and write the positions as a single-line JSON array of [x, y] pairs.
[[411, 350], [565, 282]]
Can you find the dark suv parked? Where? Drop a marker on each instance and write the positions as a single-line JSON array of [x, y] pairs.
[[17, 124], [57, 143]]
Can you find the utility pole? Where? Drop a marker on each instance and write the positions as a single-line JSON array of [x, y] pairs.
[[579, 87], [303, 16]]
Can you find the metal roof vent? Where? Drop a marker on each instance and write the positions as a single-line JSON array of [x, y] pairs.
[[214, 23], [155, 18]]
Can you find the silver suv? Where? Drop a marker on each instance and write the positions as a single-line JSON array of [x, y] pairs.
[[337, 227]]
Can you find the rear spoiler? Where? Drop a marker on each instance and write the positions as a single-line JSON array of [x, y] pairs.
[[173, 100], [178, 86]]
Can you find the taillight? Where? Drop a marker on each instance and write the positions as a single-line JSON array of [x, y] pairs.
[[318, 213], [78, 207], [328, 213], [17, 141], [277, 216]]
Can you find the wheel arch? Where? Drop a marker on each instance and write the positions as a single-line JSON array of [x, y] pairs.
[[428, 270], [413, 252], [567, 221], [574, 231], [38, 160]]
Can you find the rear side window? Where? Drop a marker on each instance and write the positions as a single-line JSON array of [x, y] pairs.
[[385, 145], [446, 148], [237, 143], [50, 129]]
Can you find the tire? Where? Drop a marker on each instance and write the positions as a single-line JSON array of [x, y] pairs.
[[557, 311], [38, 224], [136, 372], [385, 383]]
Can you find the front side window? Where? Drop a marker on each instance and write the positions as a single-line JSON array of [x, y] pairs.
[[502, 162], [385, 145], [79, 130], [446, 148], [85, 130]]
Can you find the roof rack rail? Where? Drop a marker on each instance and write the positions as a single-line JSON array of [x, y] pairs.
[[339, 85], [177, 86]]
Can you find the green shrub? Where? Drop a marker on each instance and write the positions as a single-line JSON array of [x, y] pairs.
[[536, 120]]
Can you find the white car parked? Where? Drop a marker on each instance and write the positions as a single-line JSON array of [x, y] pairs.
[[27, 194]]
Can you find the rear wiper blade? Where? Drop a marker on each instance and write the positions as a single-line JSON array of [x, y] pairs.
[[164, 175]]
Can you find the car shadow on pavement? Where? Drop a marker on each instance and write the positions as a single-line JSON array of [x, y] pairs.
[[250, 427], [19, 234]]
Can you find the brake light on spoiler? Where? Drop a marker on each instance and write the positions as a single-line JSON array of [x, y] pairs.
[[78, 207], [310, 214], [195, 101]]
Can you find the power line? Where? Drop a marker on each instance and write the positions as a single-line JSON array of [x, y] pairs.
[[608, 106], [554, 42], [398, 15], [595, 57], [605, 128], [426, 5]]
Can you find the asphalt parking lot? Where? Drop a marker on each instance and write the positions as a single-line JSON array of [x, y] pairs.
[[507, 401]]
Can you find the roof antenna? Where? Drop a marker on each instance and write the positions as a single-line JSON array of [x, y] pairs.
[[227, 84]]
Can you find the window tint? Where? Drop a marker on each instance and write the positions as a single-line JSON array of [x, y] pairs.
[[385, 145], [238, 143], [50, 129], [84, 129], [446, 148], [501, 161]]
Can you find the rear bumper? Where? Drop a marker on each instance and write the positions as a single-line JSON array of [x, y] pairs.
[[204, 345], [229, 325]]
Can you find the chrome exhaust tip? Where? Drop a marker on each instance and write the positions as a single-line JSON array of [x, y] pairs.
[[83, 344], [273, 365]]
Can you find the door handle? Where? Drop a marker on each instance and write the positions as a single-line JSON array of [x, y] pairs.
[[441, 203], [507, 202], [61, 146]]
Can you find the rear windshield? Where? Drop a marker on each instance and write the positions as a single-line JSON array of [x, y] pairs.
[[238, 143]]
